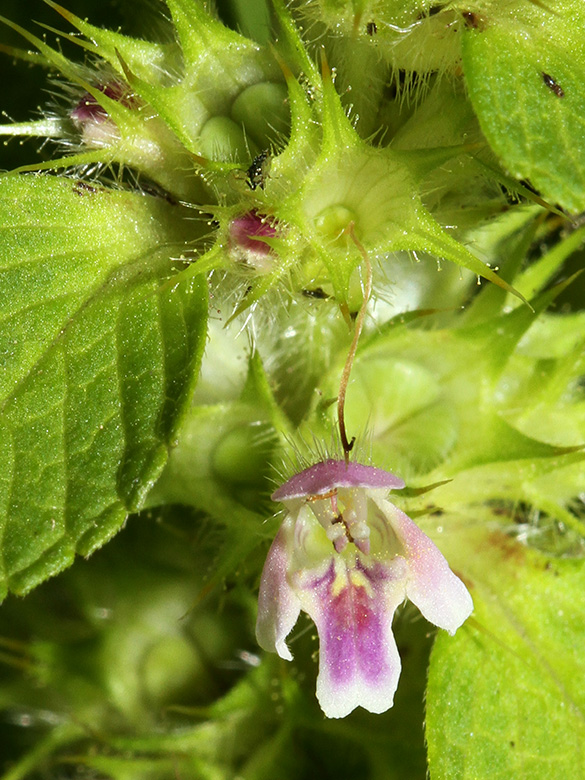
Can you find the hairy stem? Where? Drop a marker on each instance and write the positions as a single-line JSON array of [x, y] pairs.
[[359, 323]]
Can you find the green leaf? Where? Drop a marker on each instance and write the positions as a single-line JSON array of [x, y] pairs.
[[525, 72], [506, 695], [100, 354]]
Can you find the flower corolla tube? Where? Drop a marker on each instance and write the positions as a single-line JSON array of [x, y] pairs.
[[348, 558]]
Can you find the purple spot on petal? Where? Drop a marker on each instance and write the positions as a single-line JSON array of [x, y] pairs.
[[330, 474], [354, 639], [352, 628]]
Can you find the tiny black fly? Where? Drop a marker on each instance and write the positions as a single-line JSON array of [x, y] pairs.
[[318, 293], [258, 171], [471, 20], [552, 85]]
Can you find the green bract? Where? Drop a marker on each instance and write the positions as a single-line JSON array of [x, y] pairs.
[[180, 277]]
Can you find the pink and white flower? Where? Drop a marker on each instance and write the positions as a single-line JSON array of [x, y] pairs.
[[348, 557]]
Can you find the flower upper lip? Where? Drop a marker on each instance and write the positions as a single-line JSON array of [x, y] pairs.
[[329, 474]]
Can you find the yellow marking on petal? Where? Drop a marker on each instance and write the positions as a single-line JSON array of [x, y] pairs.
[[340, 582], [359, 579], [348, 575]]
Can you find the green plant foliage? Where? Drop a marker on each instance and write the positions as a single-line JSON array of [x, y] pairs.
[[126, 649], [524, 67], [86, 308], [512, 676], [181, 273]]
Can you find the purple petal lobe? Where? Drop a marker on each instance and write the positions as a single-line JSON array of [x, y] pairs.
[[439, 594], [353, 608], [330, 474], [278, 606]]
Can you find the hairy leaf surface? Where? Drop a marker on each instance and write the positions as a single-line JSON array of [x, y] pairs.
[[99, 354]]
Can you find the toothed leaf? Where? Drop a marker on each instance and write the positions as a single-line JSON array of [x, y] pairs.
[[101, 352], [525, 71], [506, 695]]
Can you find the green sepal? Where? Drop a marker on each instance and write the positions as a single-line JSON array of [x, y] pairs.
[[146, 146], [32, 57], [150, 61], [291, 46], [218, 64], [53, 57], [379, 189], [199, 33]]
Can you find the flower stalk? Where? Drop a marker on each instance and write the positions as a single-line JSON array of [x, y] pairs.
[[359, 324]]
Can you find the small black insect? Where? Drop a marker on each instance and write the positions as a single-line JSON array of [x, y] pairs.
[[432, 11], [371, 28], [471, 20], [258, 171], [83, 188], [552, 85], [318, 293]]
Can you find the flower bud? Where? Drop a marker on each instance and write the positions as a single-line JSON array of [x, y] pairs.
[[263, 110], [246, 234], [221, 139], [91, 118]]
